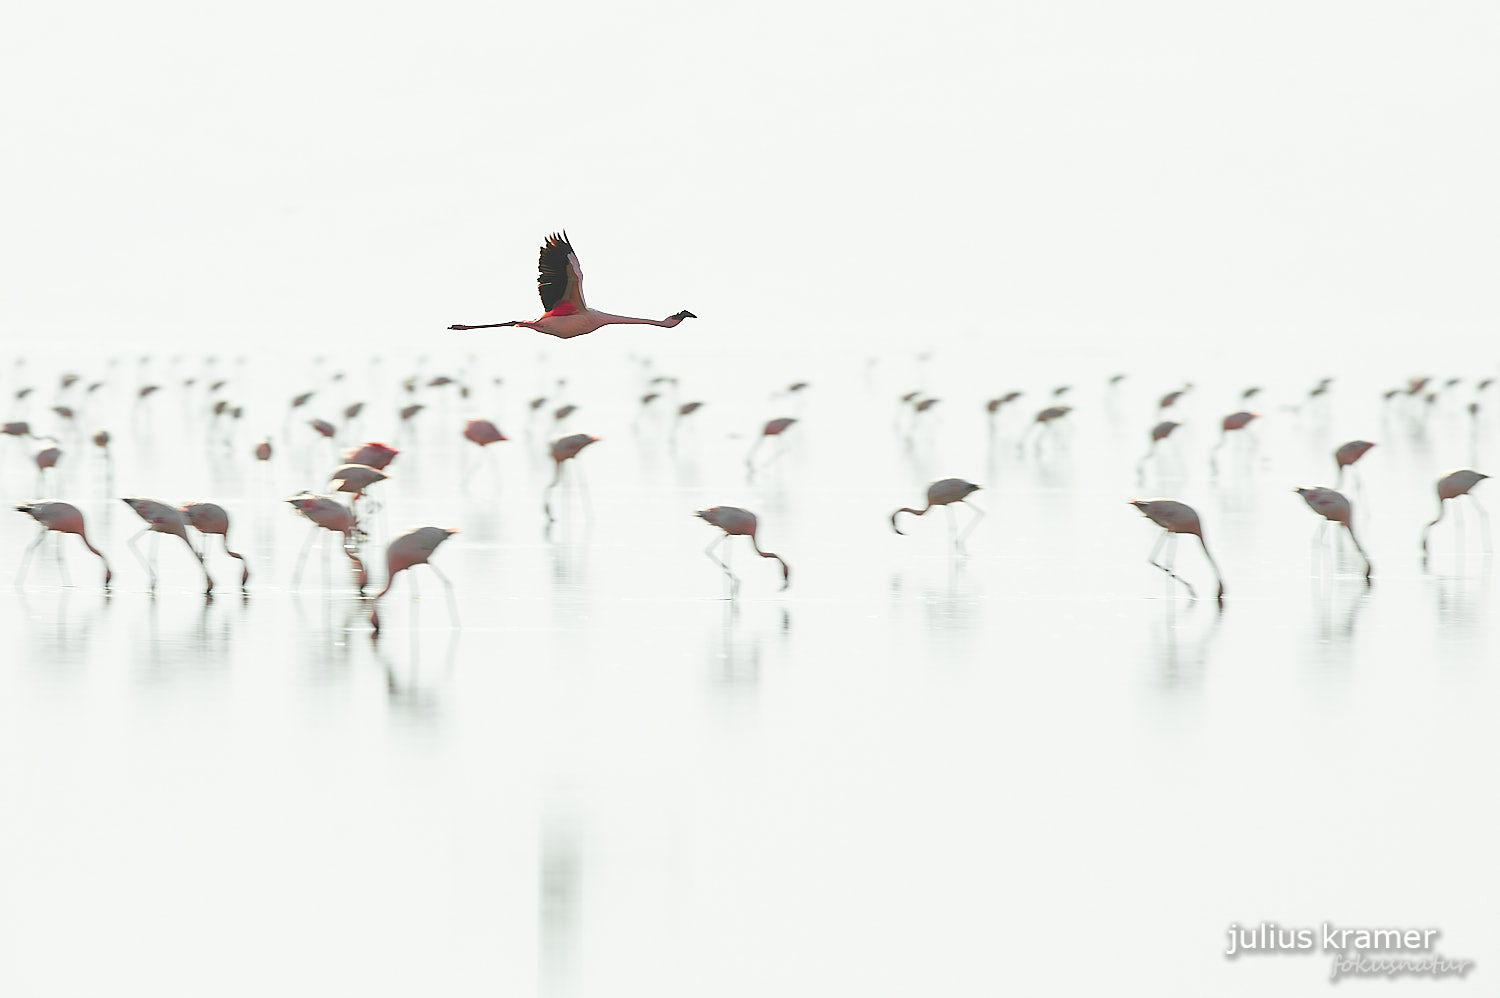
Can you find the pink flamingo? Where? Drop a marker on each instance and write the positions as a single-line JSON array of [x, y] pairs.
[[46, 457], [1451, 486], [560, 283], [414, 547], [373, 454], [1348, 454], [1043, 422], [1159, 432], [563, 449], [211, 518], [774, 428], [329, 514], [483, 432], [738, 522], [162, 519], [1177, 518], [355, 479], [946, 492], [65, 519], [1231, 422], [1335, 508]]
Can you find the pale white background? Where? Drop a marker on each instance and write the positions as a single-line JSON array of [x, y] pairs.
[[1034, 770]]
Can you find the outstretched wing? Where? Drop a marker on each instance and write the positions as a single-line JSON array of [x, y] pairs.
[[559, 277]]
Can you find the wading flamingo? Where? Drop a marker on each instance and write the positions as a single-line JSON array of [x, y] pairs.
[[373, 454], [65, 519], [1348, 454], [563, 450], [1177, 518], [1231, 422], [414, 547], [1159, 432], [560, 283], [1334, 507], [329, 514], [738, 522], [211, 518], [774, 428], [162, 519], [945, 492], [1451, 486]]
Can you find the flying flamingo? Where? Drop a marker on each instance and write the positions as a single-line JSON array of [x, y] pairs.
[[1159, 432], [560, 283], [1177, 518], [774, 428], [562, 450], [1348, 454], [263, 451], [1334, 507], [945, 492], [329, 514], [738, 522], [211, 518], [1231, 422], [1451, 486], [65, 519], [414, 547], [162, 519]]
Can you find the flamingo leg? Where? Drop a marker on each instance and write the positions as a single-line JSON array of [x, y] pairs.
[[1140, 468], [1171, 553], [208, 581], [62, 562], [150, 570], [452, 599], [978, 515], [953, 541], [302, 558], [26, 559], [1484, 523], [1441, 510], [733, 583]]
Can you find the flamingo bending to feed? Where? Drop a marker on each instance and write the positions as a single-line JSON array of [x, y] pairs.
[[735, 521], [1348, 454], [1159, 432], [483, 432], [65, 519], [162, 519], [774, 428], [1334, 507], [414, 547], [355, 479], [211, 518], [562, 450], [1177, 518], [373, 454], [945, 492], [560, 283], [1451, 486], [1233, 421], [329, 514]]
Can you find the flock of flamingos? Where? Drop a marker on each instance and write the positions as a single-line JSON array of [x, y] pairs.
[[567, 315]]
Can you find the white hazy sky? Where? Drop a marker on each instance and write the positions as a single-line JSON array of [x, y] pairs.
[[1080, 172]]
